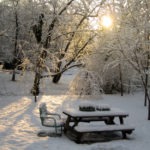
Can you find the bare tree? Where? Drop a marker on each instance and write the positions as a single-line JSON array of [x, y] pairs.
[[16, 58], [41, 60], [133, 36]]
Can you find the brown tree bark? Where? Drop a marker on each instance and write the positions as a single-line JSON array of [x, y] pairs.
[[16, 59]]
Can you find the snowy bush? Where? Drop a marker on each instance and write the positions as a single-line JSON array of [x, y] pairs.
[[86, 83]]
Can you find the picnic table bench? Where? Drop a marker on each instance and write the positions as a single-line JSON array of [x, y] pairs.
[[80, 130], [74, 117]]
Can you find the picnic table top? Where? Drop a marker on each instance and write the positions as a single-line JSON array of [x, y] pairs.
[[114, 112]]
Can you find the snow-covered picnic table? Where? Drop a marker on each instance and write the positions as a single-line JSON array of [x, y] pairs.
[[75, 116]]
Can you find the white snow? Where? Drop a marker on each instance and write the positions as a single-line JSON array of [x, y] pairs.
[[20, 122]]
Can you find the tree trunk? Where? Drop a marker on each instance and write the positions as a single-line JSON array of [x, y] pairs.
[[35, 98], [15, 61], [148, 110], [37, 30], [121, 81], [35, 90], [147, 94], [146, 90], [56, 78], [148, 100], [13, 76], [129, 86], [146, 78]]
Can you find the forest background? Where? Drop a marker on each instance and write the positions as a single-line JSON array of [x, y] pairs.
[[49, 37]]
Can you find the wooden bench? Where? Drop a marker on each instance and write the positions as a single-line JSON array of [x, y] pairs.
[[80, 130]]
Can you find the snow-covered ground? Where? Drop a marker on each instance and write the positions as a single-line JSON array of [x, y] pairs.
[[20, 122]]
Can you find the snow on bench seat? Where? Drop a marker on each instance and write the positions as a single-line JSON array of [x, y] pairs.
[[104, 128], [80, 130]]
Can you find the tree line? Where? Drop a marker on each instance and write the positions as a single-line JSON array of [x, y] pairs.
[[50, 37]]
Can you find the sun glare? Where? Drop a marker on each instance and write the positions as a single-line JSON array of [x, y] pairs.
[[106, 21]]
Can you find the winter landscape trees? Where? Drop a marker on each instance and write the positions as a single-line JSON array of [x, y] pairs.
[[126, 48], [50, 37]]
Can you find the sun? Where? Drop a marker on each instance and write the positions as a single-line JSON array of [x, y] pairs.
[[106, 21]]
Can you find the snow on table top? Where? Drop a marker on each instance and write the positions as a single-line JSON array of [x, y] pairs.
[[77, 113], [92, 104]]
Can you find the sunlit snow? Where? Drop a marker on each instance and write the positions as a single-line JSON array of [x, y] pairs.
[[20, 122]]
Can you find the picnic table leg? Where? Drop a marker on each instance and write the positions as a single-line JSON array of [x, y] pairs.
[[66, 126], [76, 121], [110, 120], [121, 120], [78, 137], [124, 135]]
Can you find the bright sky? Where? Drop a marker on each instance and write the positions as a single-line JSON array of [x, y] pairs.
[[106, 21]]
